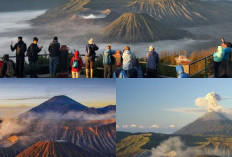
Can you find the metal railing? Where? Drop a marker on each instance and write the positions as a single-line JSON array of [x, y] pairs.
[[200, 66]]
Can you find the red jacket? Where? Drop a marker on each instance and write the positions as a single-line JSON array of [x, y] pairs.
[[76, 56]]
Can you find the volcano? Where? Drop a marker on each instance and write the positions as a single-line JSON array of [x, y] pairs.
[[212, 123], [63, 105], [54, 149], [138, 27]]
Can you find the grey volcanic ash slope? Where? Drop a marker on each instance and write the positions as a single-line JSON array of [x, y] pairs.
[[212, 123], [138, 27], [176, 12], [181, 13]]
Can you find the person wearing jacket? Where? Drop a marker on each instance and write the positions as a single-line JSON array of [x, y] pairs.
[[76, 65], [119, 72], [90, 56], [20, 48], [226, 59], [127, 61], [137, 71], [218, 57], [8, 67], [54, 51], [32, 52], [180, 72], [108, 61], [152, 62]]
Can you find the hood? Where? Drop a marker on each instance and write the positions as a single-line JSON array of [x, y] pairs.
[[127, 51], [220, 49], [179, 69], [76, 54]]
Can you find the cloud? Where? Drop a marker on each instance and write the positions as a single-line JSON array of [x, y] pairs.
[[172, 126], [125, 126], [28, 98], [141, 127], [210, 102], [187, 110], [154, 126], [133, 126]]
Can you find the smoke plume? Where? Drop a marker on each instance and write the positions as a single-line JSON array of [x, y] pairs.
[[33, 125], [175, 147], [210, 102]]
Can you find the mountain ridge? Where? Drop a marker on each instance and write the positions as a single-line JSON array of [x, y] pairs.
[[211, 123], [63, 105]]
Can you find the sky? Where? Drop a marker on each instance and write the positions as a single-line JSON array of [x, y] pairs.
[[166, 105], [17, 96]]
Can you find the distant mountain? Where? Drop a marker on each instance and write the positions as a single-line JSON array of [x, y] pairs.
[[63, 105], [55, 149], [212, 123], [139, 27], [181, 13]]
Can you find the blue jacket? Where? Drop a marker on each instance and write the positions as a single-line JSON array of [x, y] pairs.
[[227, 53], [152, 60], [219, 55], [122, 74], [180, 72]]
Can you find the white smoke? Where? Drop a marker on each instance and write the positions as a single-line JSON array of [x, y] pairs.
[[175, 147], [210, 102], [35, 127], [92, 16]]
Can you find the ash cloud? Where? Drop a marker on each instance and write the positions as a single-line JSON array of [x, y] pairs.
[[210, 102]]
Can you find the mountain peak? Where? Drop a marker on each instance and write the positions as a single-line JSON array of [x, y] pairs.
[[211, 123], [213, 115], [136, 27], [59, 104]]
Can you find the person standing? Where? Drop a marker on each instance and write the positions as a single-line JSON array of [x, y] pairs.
[[8, 67], [54, 51], [76, 65], [90, 56], [218, 57], [226, 62], [152, 62], [32, 53], [108, 61], [20, 48], [127, 61]]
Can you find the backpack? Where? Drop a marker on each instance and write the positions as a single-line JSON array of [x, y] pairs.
[[107, 58], [10, 69], [75, 63]]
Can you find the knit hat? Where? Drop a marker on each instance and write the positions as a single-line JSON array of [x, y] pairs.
[[127, 48], [151, 48], [91, 41]]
